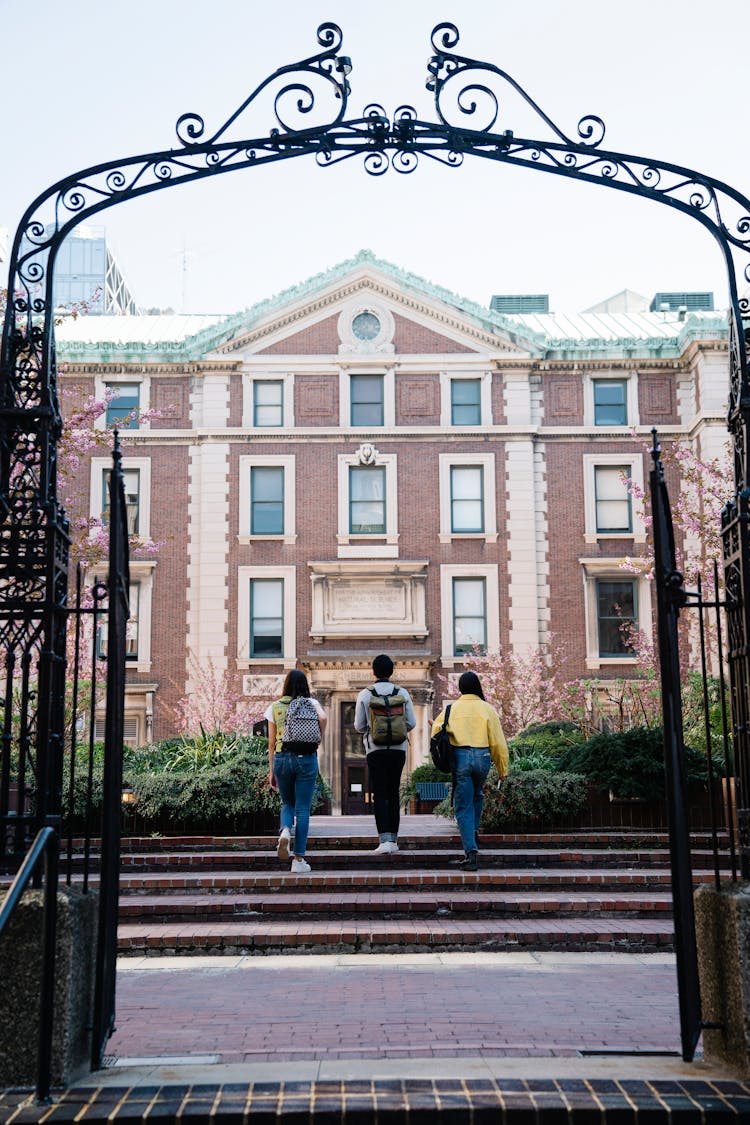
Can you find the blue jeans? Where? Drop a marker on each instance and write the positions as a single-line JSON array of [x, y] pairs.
[[295, 776], [472, 764]]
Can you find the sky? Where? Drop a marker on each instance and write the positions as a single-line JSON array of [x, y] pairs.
[[87, 82]]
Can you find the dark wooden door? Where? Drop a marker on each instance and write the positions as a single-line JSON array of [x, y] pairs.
[[356, 798]]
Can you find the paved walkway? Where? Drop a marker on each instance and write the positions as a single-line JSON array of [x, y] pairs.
[[287, 1009]]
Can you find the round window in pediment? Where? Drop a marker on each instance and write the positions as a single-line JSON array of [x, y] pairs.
[[365, 326]]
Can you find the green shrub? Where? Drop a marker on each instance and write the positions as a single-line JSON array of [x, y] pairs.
[[528, 797], [551, 739], [522, 759], [629, 763], [234, 788], [532, 797]]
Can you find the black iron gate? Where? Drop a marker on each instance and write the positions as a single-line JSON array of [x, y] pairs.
[[671, 599], [47, 785], [309, 101]]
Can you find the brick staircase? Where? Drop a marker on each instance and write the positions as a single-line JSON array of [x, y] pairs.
[[577, 891]]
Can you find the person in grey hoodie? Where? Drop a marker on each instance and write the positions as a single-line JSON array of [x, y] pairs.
[[385, 764]]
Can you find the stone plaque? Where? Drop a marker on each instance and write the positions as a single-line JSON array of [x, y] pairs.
[[368, 599]]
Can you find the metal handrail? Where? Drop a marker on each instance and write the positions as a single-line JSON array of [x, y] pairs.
[[46, 846]]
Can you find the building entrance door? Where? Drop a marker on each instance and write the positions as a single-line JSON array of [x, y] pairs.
[[355, 794]]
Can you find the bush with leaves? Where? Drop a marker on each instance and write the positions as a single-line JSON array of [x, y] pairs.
[[232, 791], [537, 797], [540, 797], [630, 763]]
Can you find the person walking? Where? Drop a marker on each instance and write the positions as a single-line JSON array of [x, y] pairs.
[[477, 739], [384, 715], [296, 725]]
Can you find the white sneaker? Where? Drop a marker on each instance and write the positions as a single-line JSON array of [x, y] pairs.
[[282, 848], [300, 867], [392, 846], [386, 848]]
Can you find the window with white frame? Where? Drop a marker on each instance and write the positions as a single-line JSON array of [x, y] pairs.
[[610, 481], [267, 400], [611, 401], [612, 499], [123, 405], [266, 492], [465, 398], [138, 627], [466, 402], [367, 399], [367, 504], [469, 611], [617, 605], [467, 496], [136, 473], [131, 479], [266, 607]]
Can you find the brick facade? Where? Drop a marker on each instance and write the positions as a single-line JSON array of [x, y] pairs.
[[537, 556]]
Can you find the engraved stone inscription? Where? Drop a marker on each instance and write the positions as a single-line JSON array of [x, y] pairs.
[[362, 603]]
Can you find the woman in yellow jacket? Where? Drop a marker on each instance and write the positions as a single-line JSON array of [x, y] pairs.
[[477, 738]]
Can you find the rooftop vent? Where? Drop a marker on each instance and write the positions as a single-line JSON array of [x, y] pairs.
[[520, 303], [663, 302]]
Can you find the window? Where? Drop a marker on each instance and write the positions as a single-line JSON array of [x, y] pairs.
[[610, 402], [615, 602], [267, 500], [609, 511], [266, 496], [267, 399], [469, 615], [268, 402], [367, 400], [616, 613], [465, 398], [367, 504], [132, 481], [469, 610], [266, 617], [138, 626], [612, 499], [123, 407], [367, 500], [467, 498], [466, 402]]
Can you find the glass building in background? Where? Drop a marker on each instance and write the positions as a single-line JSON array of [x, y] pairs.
[[86, 270]]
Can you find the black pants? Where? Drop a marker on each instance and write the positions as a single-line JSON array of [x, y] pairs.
[[385, 768]]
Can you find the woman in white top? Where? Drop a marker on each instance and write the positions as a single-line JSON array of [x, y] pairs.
[[293, 771]]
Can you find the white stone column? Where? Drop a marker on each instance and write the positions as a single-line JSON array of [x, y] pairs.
[[208, 528], [525, 488]]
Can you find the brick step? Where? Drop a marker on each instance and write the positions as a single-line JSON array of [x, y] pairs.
[[448, 838], [414, 934], [404, 860], [304, 903], [222, 881]]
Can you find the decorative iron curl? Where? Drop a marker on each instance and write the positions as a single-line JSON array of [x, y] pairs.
[[445, 66], [327, 65]]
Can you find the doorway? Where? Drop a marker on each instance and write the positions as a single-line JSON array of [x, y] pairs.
[[354, 789]]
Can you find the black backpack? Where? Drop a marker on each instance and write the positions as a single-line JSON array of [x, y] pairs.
[[441, 750]]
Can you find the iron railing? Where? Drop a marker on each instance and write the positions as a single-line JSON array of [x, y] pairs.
[[20, 762]]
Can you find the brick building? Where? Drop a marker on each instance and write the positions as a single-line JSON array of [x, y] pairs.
[[370, 463]]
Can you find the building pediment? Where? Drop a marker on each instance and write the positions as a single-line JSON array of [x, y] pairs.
[[368, 308]]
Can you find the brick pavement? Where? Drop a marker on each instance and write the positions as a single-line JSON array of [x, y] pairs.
[[295, 1008]]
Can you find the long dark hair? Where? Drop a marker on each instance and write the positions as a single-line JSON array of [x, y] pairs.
[[469, 684], [296, 684]]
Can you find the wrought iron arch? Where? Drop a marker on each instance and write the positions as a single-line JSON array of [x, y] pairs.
[[468, 121]]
